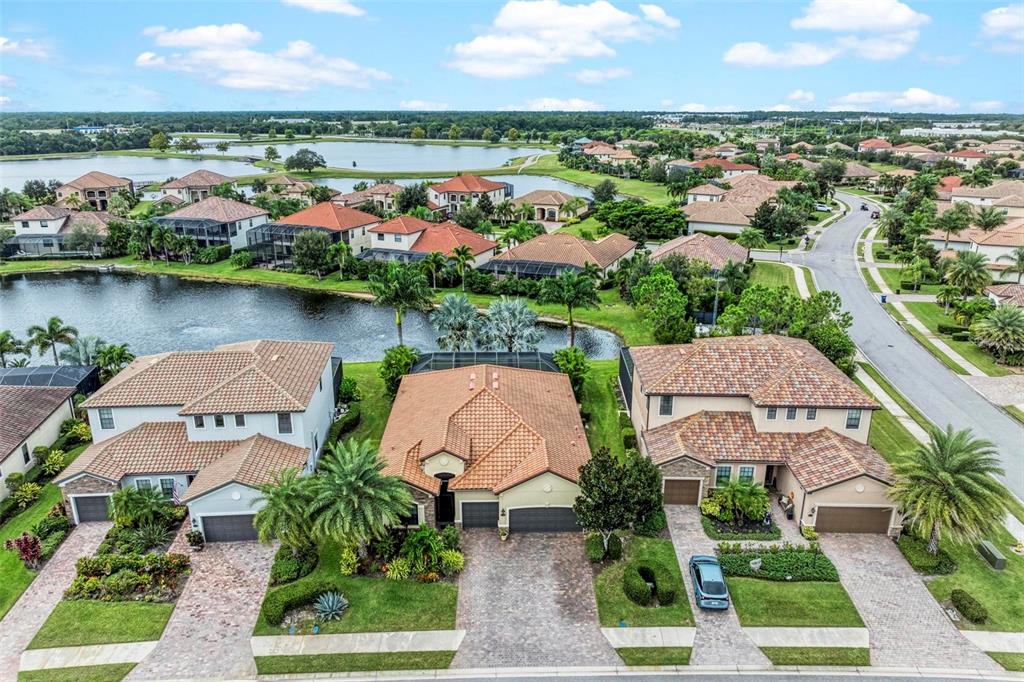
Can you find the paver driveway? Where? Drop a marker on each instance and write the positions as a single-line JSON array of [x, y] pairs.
[[906, 625], [208, 634], [528, 601], [29, 613], [720, 639]]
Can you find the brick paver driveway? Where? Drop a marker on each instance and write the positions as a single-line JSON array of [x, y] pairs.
[[720, 639], [208, 634], [906, 625], [28, 614], [528, 601]]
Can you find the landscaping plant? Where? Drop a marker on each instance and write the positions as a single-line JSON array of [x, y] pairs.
[[348, 563], [398, 568], [330, 606], [450, 537], [452, 562], [969, 607], [28, 548], [27, 494]]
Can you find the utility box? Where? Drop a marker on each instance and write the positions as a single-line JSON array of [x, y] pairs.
[[992, 555]]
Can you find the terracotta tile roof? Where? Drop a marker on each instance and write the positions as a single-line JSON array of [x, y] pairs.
[[997, 190], [199, 178], [724, 164], [169, 199], [559, 247], [97, 219], [950, 182], [802, 145], [874, 143], [792, 156], [707, 189], [901, 173], [1009, 234], [250, 462], [817, 459], [508, 425], [755, 189], [256, 376], [543, 197], [722, 212], [771, 370], [467, 183], [23, 409], [218, 209], [968, 154], [403, 224], [1009, 294], [623, 155], [330, 216], [716, 251], [97, 180], [859, 170], [43, 212], [447, 236], [598, 149], [1013, 201], [910, 148]]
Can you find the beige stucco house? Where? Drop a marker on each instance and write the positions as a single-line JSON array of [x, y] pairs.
[[94, 188], [197, 185], [558, 252], [30, 416]]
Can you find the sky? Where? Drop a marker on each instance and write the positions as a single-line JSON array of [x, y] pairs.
[[962, 56]]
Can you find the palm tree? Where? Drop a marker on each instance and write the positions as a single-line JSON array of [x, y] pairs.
[[504, 211], [46, 338], [434, 263], [340, 252], [113, 358], [10, 345], [954, 221], [20, 362], [352, 501], [988, 218], [402, 288], [186, 245], [84, 350], [947, 296], [1016, 258], [978, 177], [134, 507], [520, 232], [573, 206], [510, 325], [968, 272], [525, 211], [164, 239], [1001, 331], [919, 269], [739, 496], [462, 255], [143, 234], [456, 322], [948, 486], [751, 238], [285, 511], [591, 271], [571, 290]]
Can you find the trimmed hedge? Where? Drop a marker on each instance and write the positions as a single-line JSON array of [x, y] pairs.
[[345, 424], [652, 526], [288, 566], [915, 550], [951, 328], [595, 548], [711, 530], [638, 574], [629, 437], [213, 254], [961, 336], [969, 607], [281, 600], [785, 563], [614, 547]]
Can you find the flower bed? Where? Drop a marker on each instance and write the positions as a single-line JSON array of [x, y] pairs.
[[784, 562], [129, 577], [747, 530]]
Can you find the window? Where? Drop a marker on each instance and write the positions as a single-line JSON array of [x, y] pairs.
[[665, 406], [380, 236], [398, 238], [24, 223], [853, 418], [143, 484], [284, 422], [167, 487], [747, 474], [43, 223], [412, 518], [320, 384], [316, 442], [218, 421], [199, 422], [773, 412], [25, 456], [790, 414], [240, 421], [722, 475], [106, 418], [812, 413]]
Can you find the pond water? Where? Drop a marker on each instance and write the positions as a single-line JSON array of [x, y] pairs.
[[142, 169], [162, 313], [522, 183]]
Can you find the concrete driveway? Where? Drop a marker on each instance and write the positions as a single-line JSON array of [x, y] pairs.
[[528, 601]]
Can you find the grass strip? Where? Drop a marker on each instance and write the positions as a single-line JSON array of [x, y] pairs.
[[109, 672], [83, 622], [340, 663], [644, 655], [784, 655]]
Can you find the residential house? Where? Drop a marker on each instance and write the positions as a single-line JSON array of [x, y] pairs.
[[466, 189], [705, 192], [94, 188], [552, 254], [716, 251], [621, 157], [754, 189], [547, 205], [839, 146], [272, 242], [729, 169], [488, 446], [30, 417], [383, 195], [599, 151], [289, 187], [766, 144], [726, 150], [968, 158], [766, 409], [802, 146], [197, 185], [873, 144], [1011, 293], [215, 221], [408, 239], [912, 150], [857, 173], [718, 217], [1005, 193], [206, 427], [45, 229], [995, 245], [791, 156]]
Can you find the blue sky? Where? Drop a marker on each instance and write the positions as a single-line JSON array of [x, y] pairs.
[[879, 55]]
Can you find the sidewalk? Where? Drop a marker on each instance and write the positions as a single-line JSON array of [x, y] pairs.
[[893, 407], [357, 643], [79, 656], [941, 345], [839, 638], [622, 638]]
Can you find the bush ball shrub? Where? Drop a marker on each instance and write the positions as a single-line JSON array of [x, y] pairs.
[[651, 526], [595, 548], [969, 607], [614, 547]]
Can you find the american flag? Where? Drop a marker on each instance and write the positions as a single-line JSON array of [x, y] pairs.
[[174, 494]]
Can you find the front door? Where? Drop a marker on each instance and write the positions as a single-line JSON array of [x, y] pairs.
[[445, 505]]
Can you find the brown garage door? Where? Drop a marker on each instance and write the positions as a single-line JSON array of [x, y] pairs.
[[853, 519], [682, 492]]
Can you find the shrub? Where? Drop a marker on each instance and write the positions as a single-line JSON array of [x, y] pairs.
[[652, 525], [731, 532], [629, 437], [960, 336], [635, 586], [915, 550], [397, 362], [280, 600], [53, 464], [68, 424], [452, 562], [637, 573], [150, 535], [330, 606], [624, 420], [240, 260], [348, 391], [195, 539], [450, 538], [27, 494], [386, 546], [709, 506], [614, 547], [346, 424], [809, 533], [28, 548], [422, 548], [399, 569], [213, 254], [428, 577], [50, 544], [951, 328], [14, 480], [349, 561], [49, 525], [594, 546], [969, 607], [289, 566], [81, 432], [780, 562]]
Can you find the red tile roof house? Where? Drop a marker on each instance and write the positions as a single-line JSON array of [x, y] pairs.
[[729, 169], [408, 239], [44, 229], [462, 189], [30, 416], [549, 255], [216, 221], [196, 186], [547, 204], [1006, 294], [383, 195], [206, 426], [95, 188], [968, 158], [716, 251], [767, 409], [487, 446], [873, 144], [272, 242]]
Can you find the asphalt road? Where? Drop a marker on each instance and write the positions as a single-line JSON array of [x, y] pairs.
[[931, 386], [775, 676]]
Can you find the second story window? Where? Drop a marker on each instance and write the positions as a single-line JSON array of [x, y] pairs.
[[790, 414], [240, 421], [284, 422], [199, 422], [812, 413], [747, 474], [665, 406], [106, 418], [853, 418], [398, 238], [380, 236], [218, 421], [772, 413]]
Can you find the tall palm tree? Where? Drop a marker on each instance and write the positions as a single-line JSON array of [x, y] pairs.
[[462, 255], [164, 239], [591, 271], [113, 358], [510, 325], [573, 206], [525, 211], [143, 234], [751, 238], [988, 218], [10, 345], [948, 486], [186, 245], [954, 221], [340, 252], [352, 501], [47, 338], [504, 211], [520, 232], [1016, 258], [571, 290], [84, 350], [968, 272], [402, 288], [456, 322], [285, 511], [1001, 331], [947, 296], [434, 263]]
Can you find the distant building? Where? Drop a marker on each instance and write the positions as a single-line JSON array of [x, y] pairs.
[[272, 242], [45, 229], [874, 144], [215, 221], [547, 204], [449, 196], [558, 252], [197, 185], [94, 188]]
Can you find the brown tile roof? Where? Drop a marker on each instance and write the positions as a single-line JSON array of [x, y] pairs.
[[755, 189], [1008, 234], [169, 199], [724, 164], [715, 251], [43, 212], [23, 409], [562, 248], [255, 376], [859, 170], [723, 212], [1013, 201], [543, 197], [708, 189], [771, 370], [330, 216], [1010, 294], [508, 429], [403, 224], [447, 236], [218, 209], [824, 458], [250, 462], [199, 178], [467, 183], [997, 190], [875, 143], [968, 154], [97, 219], [97, 180]]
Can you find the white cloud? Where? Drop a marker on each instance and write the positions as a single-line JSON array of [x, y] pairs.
[[4, 100], [299, 67], [422, 105], [882, 16], [529, 36], [24, 48], [655, 14], [6, 81], [556, 104], [597, 76], [781, 107], [988, 106], [1005, 27], [699, 108], [795, 54], [911, 99], [803, 96], [328, 6], [943, 59], [879, 48], [666, 103]]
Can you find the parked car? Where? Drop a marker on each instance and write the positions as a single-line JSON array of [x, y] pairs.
[[709, 588], [875, 215], [823, 207]]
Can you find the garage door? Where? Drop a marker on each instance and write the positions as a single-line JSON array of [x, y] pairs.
[[92, 508], [852, 519], [682, 492], [228, 528], [542, 520], [479, 514]]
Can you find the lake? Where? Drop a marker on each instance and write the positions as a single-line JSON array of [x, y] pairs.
[[522, 183], [142, 169], [155, 314]]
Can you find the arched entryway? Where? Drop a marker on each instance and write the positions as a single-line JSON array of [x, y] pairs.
[[444, 508]]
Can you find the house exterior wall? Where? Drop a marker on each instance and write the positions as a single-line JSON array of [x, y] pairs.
[[26, 227], [45, 434], [222, 501], [685, 468], [546, 490], [858, 492], [758, 477], [237, 230], [358, 238], [833, 419], [723, 228], [684, 406], [84, 485], [483, 258], [127, 418], [992, 252], [394, 240], [443, 463]]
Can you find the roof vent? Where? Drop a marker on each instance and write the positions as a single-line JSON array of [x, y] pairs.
[[275, 357], [494, 381]]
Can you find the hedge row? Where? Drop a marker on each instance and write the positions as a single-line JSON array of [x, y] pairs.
[[951, 328], [785, 564], [345, 424], [281, 600], [915, 550]]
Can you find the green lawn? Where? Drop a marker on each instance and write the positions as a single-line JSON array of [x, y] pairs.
[[887, 435], [1012, 662], [932, 316], [84, 621], [599, 400], [914, 413], [809, 280], [590, 224], [892, 277], [939, 355], [337, 663], [375, 406], [876, 248], [671, 655], [817, 656], [111, 672], [612, 603], [773, 275], [768, 603], [549, 165], [378, 604], [869, 280], [1015, 412]]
